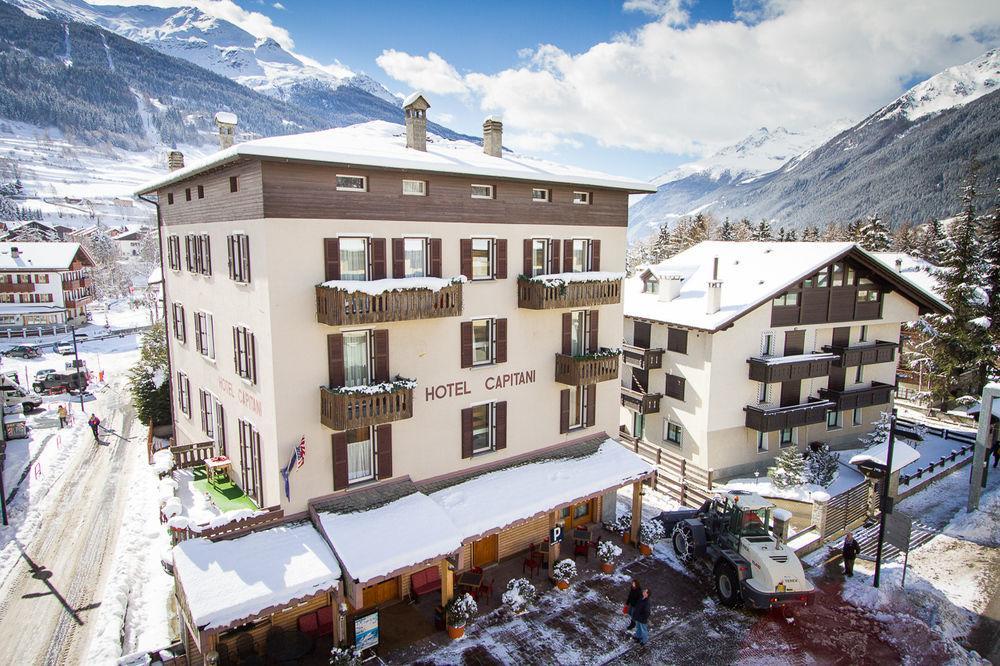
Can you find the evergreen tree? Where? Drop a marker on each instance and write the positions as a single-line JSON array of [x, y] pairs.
[[853, 231], [791, 236], [781, 235], [789, 469], [822, 466], [930, 243], [744, 230], [663, 246], [726, 231], [700, 229], [834, 232], [763, 232], [879, 434], [810, 233], [873, 235], [904, 239], [991, 258], [149, 378]]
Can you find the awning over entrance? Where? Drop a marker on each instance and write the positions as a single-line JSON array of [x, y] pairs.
[[227, 582]]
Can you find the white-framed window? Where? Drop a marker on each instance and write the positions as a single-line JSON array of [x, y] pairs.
[[767, 344], [577, 406], [863, 334], [482, 428], [856, 416], [353, 258], [358, 360], [239, 257], [204, 334], [360, 455], [174, 252], [787, 437], [415, 257], [346, 183], [415, 188], [184, 393], [761, 442], [540, 194], [581, 255], [581, 198], [833, 420], [790, 298], [859, 374], [180, 328], [482, 341], [482, 258], [539, 256], [482, 191], [207, 403], [672, 432], [578, 334], [245, 353]]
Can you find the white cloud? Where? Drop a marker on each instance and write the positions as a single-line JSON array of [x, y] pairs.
[[538, 142], [278, 5], [671, 11], [690, 88]]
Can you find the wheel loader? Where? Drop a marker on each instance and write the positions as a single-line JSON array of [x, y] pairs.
[[749, 564]]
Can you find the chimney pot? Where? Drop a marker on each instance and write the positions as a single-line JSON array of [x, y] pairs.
[[175, 160], [14, 252], [415, 112], [899, 265], [493, 136], [670, 287], [713, 297]]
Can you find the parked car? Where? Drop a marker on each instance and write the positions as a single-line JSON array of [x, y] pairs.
[[44, 372], [60, 382], [64, 348], [23, 351], [14, 393]]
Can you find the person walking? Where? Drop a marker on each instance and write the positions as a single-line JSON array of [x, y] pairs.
[[641, 618], [850, 551], [634, 595], [996, 453], [94, 424], [61, 412]]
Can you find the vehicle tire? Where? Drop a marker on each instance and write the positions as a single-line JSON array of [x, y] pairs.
[[683, 541], [727, 583]]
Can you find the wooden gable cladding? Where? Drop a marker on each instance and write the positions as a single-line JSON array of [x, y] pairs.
[[303, 190], [829, 296], [219, 203]]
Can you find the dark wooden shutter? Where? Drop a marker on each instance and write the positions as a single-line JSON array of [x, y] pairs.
[[230, 240], [339, 440], [564, 410], [466, 344], [381, 343], [527, 266], [467, 432], [674, 387], [220, 427], [677, 340], [642, 333], [398, 258], [245, 256], [590, 397], [378, 267], [500, 338], [204, 412], [500, 269], [236, 351], [331, 258], [567, 333], [208, 254], [252, 347], [465, 257], [554, 256], [335, 358], [500, 425], [567, 256], [595, 255], [790, 392], [841, 336], [435, 257], [592, 326], [383, 451], [795, 342]]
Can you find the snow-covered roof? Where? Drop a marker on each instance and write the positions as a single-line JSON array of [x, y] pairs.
[[383, 144], [978, 407], [902, 455], [751, 273], [383, 540], [497, 499], [226, 117], [914, 269], [232, 580], [413, 97], [38, 256], [28, 308], [155, 276]]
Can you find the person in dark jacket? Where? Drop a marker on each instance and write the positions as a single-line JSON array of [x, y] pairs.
[[850, 551], [641, 618], [634, 595], [996, 453], [94, 424]]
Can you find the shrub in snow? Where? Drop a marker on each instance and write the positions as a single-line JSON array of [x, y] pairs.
[[460, 610], [650, 531], [789, 469], [607, 552], [879, 434], [823, 466], [344, 656], [564, 570], [601, 353], [519, 596], [621, 524]]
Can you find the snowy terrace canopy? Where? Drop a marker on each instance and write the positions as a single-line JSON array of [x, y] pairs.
[[902, 455], [41, 256], [383, 144], [227, 582], [751, 273]]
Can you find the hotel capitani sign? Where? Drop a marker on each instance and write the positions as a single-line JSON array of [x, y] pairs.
[[490, 383]]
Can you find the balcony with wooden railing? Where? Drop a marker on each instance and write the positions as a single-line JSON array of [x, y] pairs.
[[642, 358], [77, 301], [863, 354], [16, 287], [340, 306], [771, 369], [876, 394], [349, 410], [769, 419], [587, 369], [78, 283], [534, 294], [643, 403]]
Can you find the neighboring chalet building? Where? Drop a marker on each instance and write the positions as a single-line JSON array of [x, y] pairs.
[[31, 231], [735, 351], [128, 240], [43, 284], [437, 323]]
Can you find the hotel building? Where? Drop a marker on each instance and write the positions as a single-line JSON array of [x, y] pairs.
[[44, 284]]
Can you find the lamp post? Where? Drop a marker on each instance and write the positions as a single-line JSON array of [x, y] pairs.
[[76, 371], [884, 501]]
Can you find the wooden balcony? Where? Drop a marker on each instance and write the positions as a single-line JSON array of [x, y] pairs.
[[846, 357], [778, 418], [340, 307], [78, 301], [642, 358], [770, 369], [347, 411], [78, 283], [585, 370], [534, 295], [644, 403], [16, 287], [877, 394]]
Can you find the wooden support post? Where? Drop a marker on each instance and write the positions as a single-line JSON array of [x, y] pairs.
[[553, 547], [447, 582], [636, 511]]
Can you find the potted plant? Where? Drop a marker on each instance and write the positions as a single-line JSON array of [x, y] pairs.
[[344, 656], [606, 553], [519, 596], [564, 571], [650, 531], [621, 525], [458, 612]]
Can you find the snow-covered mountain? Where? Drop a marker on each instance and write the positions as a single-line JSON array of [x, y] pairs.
[[904, 162]]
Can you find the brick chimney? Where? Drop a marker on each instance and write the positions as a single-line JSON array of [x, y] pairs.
[[713, 295], [175, 160], [493, 136], [415, 111], [226, 122]]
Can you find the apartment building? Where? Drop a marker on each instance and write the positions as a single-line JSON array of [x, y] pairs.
[[438, 322], [44, 283], [735, 351]]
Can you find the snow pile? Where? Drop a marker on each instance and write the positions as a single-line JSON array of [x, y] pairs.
[[378, 287], [376, 389], [223, 585], [562, 279], [163, 461]]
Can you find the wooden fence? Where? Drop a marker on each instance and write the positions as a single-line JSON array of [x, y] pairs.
[[675, 476], [230, 530], [849, 508], [190, 455]]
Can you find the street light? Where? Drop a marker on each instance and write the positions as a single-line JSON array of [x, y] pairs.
[[76, 371], [885, 504]]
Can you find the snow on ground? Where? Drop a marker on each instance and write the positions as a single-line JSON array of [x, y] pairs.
[[847, 478], [196, 504]]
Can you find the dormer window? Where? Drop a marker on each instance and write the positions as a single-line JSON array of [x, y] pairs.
[[650, 285]]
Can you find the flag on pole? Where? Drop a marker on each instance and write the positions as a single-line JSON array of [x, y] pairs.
[[286, 470], [300, 453]]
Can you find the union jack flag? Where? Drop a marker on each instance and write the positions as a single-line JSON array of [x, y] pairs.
[[300, 453]]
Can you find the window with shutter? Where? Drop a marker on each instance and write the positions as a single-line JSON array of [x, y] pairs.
[[500, 338], [434, 261], [554, 265], [331, 259], [595, 255], [380, 340], [245, 353], [378, 259], [500, 266], [564, 400], [465, 257], [206, 253], [467, 432], [590, 400], [383, 451], [340, 471], [220, 428], [500, 425], [567, 263], [677, 340], [592, 326], [335, 359], [466, 344], [674, 387]]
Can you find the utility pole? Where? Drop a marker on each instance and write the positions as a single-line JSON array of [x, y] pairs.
[[990, 393], [884, 501], [76, 371], [3, 458]]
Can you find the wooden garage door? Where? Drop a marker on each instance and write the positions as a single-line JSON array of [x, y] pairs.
[[485, 551], [381, 593]]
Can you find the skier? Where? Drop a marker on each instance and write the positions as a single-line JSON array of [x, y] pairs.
[[634, 595], [61, 412], [850, 551], [94, 424]]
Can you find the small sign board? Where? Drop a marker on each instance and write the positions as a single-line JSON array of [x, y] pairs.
[[366, 631], [897, 530], [556, 534]]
